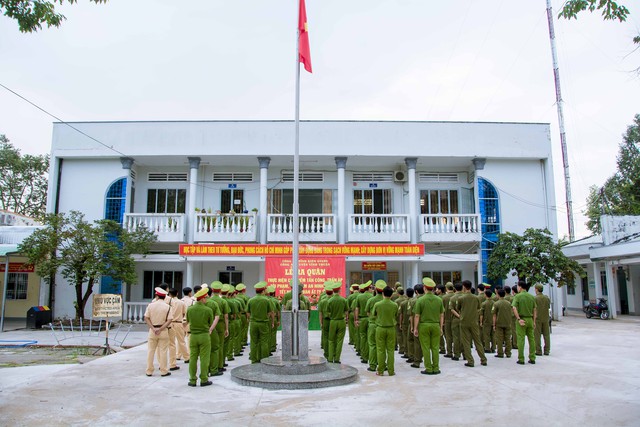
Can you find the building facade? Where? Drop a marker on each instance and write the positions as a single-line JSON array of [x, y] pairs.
[[445, 188]]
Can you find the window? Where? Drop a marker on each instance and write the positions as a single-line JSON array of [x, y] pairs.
[[114, 205], [310, 201], [571, 290], [442, 277], [603, 283], [230, 277], [372, 201], [439, 201], [151, 279], [163, 200], [232, 200], [490, 222], [17, 285]]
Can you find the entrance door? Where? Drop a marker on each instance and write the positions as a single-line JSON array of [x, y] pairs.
[[622, 291], [230, 277]]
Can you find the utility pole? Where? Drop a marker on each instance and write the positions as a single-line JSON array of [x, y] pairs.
[[563, 137]]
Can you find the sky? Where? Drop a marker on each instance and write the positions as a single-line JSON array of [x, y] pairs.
[[459, 60]]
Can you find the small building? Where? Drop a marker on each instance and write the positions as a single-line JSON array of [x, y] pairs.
[[612, 263]]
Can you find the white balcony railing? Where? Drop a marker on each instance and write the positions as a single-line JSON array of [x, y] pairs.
[[134, 312], [211, 227], [167, 227], [312, 228], [379, 228], [450, 227]]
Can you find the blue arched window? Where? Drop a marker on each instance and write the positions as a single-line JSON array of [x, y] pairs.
[[490, 218], [114, 206]]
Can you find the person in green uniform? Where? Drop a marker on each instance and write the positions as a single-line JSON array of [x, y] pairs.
[[467, 308], [303, 302], [385, 312], [222, 328], [351, 326], [261, 318], [448, 335], [428, 326], [338, 312], [202, 322], [241, 288], [400, 339], [524, 308], [233, 324], [407, 336], [543, 304], [417, 347], [502, 313], [514, 335], [455, 322], [486, 322], [237, 340], [277, 309], [213, 336], [439, 292], [371, 329], [362, 320], [325, 319]]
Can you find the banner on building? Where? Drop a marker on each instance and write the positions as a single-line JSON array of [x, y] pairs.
[[312, 273], [18, 267], [107, 305], [374, 266], [408, 249]]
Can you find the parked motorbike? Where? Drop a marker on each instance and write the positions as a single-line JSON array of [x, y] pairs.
[[599, 309]]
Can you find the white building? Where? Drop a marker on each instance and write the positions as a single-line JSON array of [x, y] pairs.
[[442, 191], [612, 263]]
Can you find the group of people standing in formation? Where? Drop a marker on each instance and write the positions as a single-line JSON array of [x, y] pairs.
[[422, 323]]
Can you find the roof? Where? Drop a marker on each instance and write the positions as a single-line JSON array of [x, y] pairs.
[[8, 249]]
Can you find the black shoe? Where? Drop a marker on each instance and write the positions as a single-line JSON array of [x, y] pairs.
[[370, 369], [231, 359], [538, 354], [206, 383], [415, 365], [175, 368], [425, 372], [404, 356], [166, 375], [409, 360], [364, 361], [337, 361], [546, 354], [215, 374], [186, 361], [484, 363], [455, 358], [443, 352], [148, 375], [533, 362], [520, 362], [191, 384], [508, 355], [448, 356], [470, 365], [225, 365], [222, 369], [499, 355], [436, 372]]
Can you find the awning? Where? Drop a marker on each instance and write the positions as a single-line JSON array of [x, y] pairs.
[[7, 249]]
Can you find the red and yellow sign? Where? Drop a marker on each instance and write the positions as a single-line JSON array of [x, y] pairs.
[[374, 266], [18, 267], [287, 250], [312, 273]]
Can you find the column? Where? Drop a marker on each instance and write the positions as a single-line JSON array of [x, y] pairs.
[[189, 278], [612, 287], [341, 224], [478, 165], [194, 164], [414, 230], [596, 280], [127, 164], [262, 204]]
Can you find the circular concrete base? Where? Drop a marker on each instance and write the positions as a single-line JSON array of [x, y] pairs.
[[276, 374]]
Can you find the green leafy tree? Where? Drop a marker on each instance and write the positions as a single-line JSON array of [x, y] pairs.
[[31, 14], [620, 194], [23, 181], [83, 252], [533, 257], [609, 9]]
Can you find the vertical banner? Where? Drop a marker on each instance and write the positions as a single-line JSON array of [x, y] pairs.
[[312, 273]]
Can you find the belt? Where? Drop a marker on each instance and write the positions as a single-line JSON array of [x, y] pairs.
[[157, 326], [380, 326], [177, 321], [526, 317]]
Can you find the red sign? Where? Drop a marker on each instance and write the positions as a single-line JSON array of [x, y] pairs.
[[312, 273], [375, 250], [18, 267], [375, 266]]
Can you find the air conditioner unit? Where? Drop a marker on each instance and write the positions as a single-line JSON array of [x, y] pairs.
[[400, 176]]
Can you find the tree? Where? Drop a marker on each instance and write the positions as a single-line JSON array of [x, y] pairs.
[[620, 194], [533, 257], [609, 9], [23, 181], [82, 252], [31, 14]]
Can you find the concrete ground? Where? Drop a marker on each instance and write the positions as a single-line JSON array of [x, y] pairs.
[[591, 377]]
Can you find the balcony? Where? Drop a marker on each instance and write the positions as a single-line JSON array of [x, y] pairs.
[[313, 228], [211, 227], [450, 228], [134, 312], [167, 227], [378, 228]]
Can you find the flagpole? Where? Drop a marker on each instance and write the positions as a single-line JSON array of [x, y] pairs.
[[296, 219]]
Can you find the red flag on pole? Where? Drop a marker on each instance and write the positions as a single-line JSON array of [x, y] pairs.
[[304, 52]]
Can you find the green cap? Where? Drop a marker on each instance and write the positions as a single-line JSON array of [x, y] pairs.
[[226, 288], [364, 285], [328, 285], [380, 285], [240, 287], [216, 285], [337, 285], [428, 283], [539, 286], [271, 289], [398, 285], [260, 285], [354, 286], [449, 286]]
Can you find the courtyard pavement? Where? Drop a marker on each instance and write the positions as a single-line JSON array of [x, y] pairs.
[[591, 377]]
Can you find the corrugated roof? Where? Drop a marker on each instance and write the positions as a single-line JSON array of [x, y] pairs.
[[5, 249]]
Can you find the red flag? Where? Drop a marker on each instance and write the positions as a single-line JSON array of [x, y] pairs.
[[304, 52]]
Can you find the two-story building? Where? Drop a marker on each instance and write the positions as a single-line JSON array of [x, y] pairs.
[[401, 200]]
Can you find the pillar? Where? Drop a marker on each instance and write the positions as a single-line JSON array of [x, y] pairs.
[[262, 203], [341, 164]]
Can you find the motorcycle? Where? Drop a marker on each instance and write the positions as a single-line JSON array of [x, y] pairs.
[[599, 309]]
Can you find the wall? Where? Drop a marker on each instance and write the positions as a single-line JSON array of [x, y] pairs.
[[18, 308]]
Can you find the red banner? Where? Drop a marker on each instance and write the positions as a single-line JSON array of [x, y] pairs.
[[312, 273], [18, 267], [374, 266], [374, 250]]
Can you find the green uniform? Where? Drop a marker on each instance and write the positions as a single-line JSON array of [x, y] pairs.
[[404, 327], [385, 313], [448, 334], [468, 306], [429, 308], [487, 325], [363, 326], [244, 321], [351, 327], [215, 339], [455, 326], [277, 309], [502, 335], [337, 310], [259, 308], [371, 332], [542, 324], [400, 338], [234, 313], [525, 304], [326, 323], [303, 304], [514, 322], [221, 327], [200, 318]]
